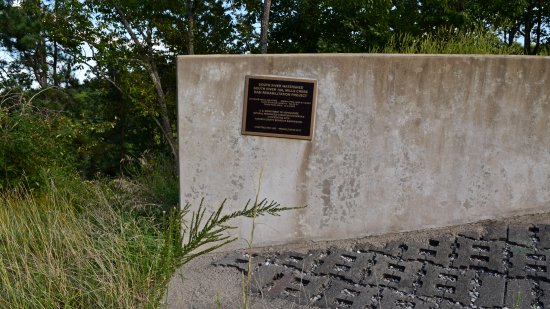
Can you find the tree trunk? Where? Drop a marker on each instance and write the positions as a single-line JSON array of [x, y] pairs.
[[527, 32], [36, 67], [538, 30], [165, 121], [39, 65], [512, 35], [265, 26], [55, 49], [151, 67], [191, 27]]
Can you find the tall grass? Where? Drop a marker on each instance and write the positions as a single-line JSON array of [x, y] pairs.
[[55, 253], [105, 243], [449, 41]]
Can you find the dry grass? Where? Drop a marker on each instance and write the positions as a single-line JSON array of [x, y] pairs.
[[61, 252], [101, 244]]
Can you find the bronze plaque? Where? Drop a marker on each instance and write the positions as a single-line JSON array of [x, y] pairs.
[[279, 107]]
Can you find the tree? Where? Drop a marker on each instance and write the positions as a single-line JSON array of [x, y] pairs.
[[529, 19], [40, 40], [328, 25], [126, 32], [265, 25], [191, 27], [146, 37]]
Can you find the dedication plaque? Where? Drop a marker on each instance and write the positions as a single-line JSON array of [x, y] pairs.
[[279, 107]]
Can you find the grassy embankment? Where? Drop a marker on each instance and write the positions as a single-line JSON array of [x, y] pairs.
[[104, 243], [84, 245]]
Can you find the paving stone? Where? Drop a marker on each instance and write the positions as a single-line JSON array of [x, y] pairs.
[[393, 299], [328, 261], [428, 273], [521, 234], [360, 267], [479, 254], [240, 261], [528, 263], [495, 231], [346, 295], [449, 305], [544, 299], [519, 291], [265, 276], [295, 286], [392, 272], [436, 250], [472, 233], [303, 262], [345, 264], [368, 247], [543, 235], [446, 283], [392, 248], [491, 291]]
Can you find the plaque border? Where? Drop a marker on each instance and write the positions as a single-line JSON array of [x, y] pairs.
[[282, 78]]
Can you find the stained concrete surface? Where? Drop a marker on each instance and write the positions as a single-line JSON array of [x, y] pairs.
[[491, 264], [402, 142]]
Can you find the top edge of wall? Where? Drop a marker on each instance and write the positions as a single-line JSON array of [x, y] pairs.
[[373, 55]]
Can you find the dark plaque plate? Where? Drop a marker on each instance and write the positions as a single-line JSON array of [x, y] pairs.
[[279, 107]]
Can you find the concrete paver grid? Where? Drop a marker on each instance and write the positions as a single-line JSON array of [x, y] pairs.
[[497, 267]]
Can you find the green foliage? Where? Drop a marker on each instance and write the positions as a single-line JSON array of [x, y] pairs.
[[126, 104], [160, 184], [447, 41], [34, 139], [42, 39], [116, 128], [360, 26]]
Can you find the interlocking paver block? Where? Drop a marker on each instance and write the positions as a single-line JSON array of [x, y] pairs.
[[521, 234], [392, 272], [346, 264], [446, 283], [495, 231], [543, 236], [519, 291], [491, 291], [392, 248], [359, 268], [297, 287], [511, 265], [528, 263], [545, 297], [449, 305], [488, 231], [240, 261], [436, 250], [368, 247], [265, 277], [330, 261], [343, 294], [479, 254], [298, 261], [392, 299]]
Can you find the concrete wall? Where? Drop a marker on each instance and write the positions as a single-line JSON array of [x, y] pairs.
[[402, 142]]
